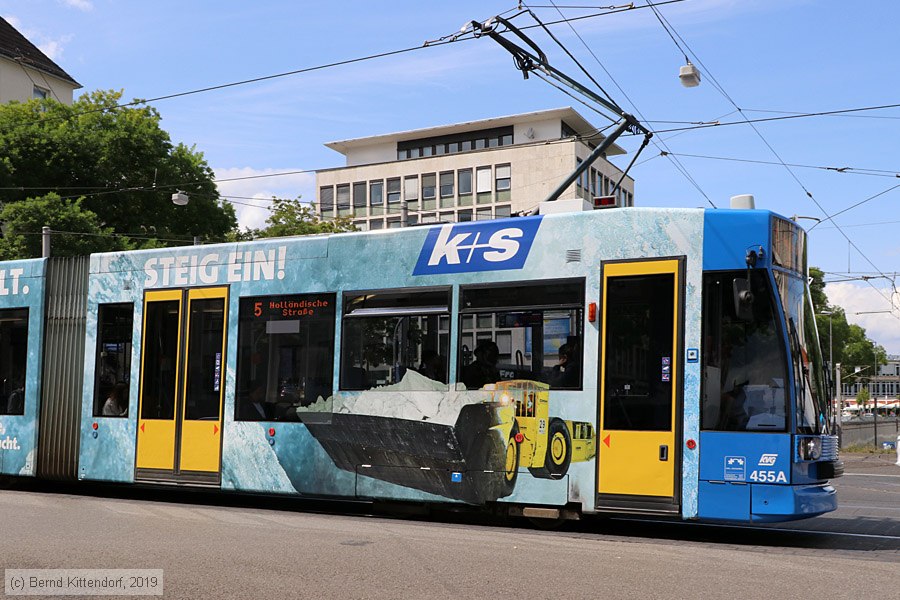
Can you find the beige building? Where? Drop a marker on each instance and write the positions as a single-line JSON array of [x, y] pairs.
[[467, 171], [26, 72]]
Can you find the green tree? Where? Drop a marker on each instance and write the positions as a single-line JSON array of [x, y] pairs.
[[293, 217], [23, 222], [862, 398], [850, 345], [119, 159], [817, 289]]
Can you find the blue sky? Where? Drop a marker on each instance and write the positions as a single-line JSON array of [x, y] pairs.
[[788, 55]]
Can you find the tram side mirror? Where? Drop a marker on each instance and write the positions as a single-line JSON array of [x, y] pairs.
[[743, 299]]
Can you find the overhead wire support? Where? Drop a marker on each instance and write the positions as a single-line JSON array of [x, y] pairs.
[[536, 61]]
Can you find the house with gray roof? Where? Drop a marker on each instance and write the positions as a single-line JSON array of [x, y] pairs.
[[26, 72]]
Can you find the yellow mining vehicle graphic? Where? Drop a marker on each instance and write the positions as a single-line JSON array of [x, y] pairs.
[[545, 445]]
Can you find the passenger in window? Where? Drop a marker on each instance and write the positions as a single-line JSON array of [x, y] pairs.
[[432, 366], [355, 376], [15, 404], [483, 369], [257, 406], [566, 374], [116, 404]]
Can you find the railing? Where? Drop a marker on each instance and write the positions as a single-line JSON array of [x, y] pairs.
[[857, 432]]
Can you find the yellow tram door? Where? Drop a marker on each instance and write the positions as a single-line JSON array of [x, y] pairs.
[[204, 366], [160, 360], [179, 433], [638, 460]]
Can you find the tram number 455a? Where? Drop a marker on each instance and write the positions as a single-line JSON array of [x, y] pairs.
[[764, 476]]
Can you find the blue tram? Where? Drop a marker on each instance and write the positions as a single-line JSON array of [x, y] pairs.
[[640, 361]]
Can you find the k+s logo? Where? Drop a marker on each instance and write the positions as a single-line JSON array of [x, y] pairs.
[[471, 247]]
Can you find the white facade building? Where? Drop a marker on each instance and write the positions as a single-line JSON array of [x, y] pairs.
[[885, 386], [478, 170], [26, 72]]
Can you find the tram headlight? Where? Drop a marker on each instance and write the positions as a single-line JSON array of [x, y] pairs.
[[810, 448]]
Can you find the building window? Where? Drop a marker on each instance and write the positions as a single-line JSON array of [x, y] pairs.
[[343, 196], [465, 215], [389, 335], [447, 184], [483, 214], [115, 324], [502, 212], [359, 195], [411, 188], [285, 355], [402, 154], [506, 140], [579, 182], [394, 223], [40, 93], [447, 217], [428, 186], [376, 192], [393, 190], [465, 181], [503, 177], [483, 180], [522, 332], [326, 199], [376, 224]]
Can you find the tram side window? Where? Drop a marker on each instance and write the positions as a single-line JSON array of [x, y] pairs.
[[13, 360], [285, 356], [393, 339], [744, 363], [115, 323], [528, 331]]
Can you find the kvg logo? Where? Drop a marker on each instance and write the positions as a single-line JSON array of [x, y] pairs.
[[768, 460], [471, 247]]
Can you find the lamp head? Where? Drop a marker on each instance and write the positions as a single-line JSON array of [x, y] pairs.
[[689, 75]]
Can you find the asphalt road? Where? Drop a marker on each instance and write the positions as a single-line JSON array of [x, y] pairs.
[[234, 547]]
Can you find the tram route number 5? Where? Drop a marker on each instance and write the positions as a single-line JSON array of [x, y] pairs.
[[257, 309], [764, 476]]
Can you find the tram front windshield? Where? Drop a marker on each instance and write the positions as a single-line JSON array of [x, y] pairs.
[[744, 361]]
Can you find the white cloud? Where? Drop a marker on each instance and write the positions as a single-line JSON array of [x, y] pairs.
[[251, 198], [53, 48], [83, 5], [882, 327]]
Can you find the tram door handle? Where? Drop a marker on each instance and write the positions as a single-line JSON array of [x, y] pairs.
[[663, 453]]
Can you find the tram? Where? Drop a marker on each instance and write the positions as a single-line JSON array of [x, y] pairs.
[[630, 360]]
